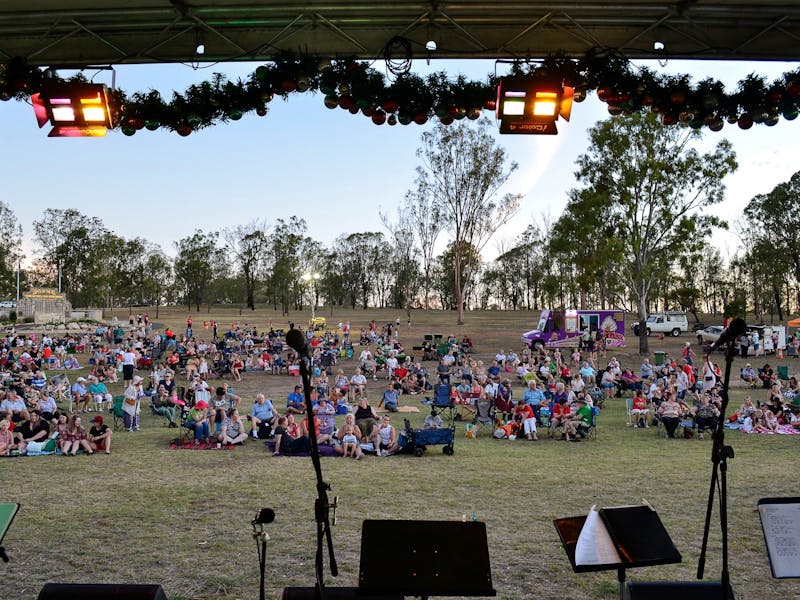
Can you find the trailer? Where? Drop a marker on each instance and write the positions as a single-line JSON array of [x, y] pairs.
[[565, 328]]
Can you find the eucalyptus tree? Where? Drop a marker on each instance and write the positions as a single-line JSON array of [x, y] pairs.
[[10, 249], [198, 263], [650, 185], [248, 245], [462, 171]]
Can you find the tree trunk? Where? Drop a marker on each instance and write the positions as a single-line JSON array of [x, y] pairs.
[[458, 290], [644, 342]]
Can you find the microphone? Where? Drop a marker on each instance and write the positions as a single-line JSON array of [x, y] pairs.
[[264, 516], [297, 342], [735, 329]]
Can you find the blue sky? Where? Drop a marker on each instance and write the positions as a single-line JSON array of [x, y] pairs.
[[334, 169]]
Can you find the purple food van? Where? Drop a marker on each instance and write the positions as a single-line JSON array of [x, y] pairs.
[[564, 328]]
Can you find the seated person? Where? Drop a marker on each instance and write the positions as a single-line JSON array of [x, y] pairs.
[[325, 412], [35, 429], [608, 382], [78, 438], [350, 445], [534, 396], [749, 375], [767, 376], [669, 411], [387, 438], [559, 415], [232, 430], [100, 435], [630, 381], [100, 393], [390, 398], [295, 402], [349, 422], [47, 407], [433, 421], [14, 404], [197, 421], [366, 419], [577, 425], [322, 438], [164, 405], [6, 438], [794, 420], [639, 409], [523, 414], [285, 443], [262, 413]]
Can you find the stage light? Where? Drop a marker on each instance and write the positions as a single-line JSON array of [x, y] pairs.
[[74, 109], [528, 106]]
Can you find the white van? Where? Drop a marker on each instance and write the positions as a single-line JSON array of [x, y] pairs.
[[673, 323]]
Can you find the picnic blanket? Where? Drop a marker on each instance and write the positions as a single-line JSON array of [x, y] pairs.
[[188, 444], [324, 450], [403, 409], [782, 430]]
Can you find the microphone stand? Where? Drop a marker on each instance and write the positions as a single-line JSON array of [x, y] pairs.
[[322, 505], [720, 453]]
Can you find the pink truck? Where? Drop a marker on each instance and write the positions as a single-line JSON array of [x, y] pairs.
[[565, 328]]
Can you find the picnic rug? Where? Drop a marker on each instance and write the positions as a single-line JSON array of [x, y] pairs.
[[188, 444], [402, 409], [324, 450]]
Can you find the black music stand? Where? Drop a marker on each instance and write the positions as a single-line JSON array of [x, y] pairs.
[[641, 541], [424, 558], [8, 510]]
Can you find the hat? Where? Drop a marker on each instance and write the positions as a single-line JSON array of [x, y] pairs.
[[579, 399], [201, 404], [80, 379], [137, 379], [98, 419], [748, 365]]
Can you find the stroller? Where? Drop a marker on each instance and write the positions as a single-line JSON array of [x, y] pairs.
[[416, 441]]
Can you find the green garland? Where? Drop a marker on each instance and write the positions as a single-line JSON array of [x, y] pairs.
[[359, 88]]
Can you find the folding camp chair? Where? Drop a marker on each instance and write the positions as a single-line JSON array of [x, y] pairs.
[[117, 411], [484, 412]]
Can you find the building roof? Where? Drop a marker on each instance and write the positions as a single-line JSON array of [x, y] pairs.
[[100, 32]]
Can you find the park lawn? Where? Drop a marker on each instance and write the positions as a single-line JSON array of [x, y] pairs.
[[147, 514]]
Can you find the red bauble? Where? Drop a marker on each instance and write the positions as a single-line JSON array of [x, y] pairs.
[[136, 123], [346, 102], [793, 89], [183, 130], [353, 110], [605, 93], [390, 106], [678, 97], [420, 118], [668, 119], [446, 120], [745, 121], [614, 109], [379, 117], [288, 86], [452, 111], [490, 105]]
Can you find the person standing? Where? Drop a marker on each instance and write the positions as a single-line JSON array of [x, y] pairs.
[[128, 364], [131, 406]]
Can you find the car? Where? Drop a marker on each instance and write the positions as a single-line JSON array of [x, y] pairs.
[[8, 304], [673, 323], [709, 334]]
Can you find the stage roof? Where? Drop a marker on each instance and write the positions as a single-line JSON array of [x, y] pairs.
[[100, 32]]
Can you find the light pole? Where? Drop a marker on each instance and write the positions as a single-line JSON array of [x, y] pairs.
[[312, 278]]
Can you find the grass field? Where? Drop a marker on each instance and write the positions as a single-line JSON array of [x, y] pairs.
[[147, 514]]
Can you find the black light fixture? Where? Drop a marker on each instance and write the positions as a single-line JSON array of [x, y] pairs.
[[532, 106], [74, 109]]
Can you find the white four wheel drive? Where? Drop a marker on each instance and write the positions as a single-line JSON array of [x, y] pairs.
[[670, 323]]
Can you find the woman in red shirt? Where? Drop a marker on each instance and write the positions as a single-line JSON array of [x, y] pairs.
[[524, 414]]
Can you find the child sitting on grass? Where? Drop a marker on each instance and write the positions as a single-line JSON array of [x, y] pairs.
[[350, 443]]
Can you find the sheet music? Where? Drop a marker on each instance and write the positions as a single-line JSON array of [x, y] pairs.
[[781, 525], [594, 546]]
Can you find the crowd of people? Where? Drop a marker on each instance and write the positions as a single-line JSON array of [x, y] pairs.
[[563, 388]]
